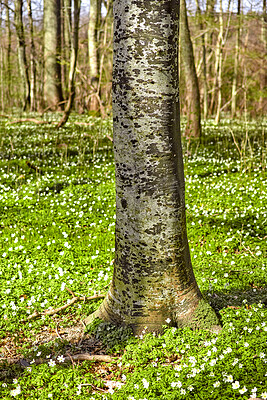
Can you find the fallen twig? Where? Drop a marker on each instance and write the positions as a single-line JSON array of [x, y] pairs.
[[75, 357], [53, 311], [36, 121]]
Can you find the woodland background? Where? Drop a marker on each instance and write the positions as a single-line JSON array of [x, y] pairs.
[[40, 43]]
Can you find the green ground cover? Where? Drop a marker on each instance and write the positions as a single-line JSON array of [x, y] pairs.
[[57, 220]]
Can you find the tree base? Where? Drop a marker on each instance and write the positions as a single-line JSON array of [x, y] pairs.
[[203, 317]]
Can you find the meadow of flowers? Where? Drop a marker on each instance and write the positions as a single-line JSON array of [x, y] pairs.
[[57, 220]]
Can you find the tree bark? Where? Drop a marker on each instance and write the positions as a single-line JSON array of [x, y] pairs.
[[153, 279], [263, 80], [236, 65], [193, 126], [219, 56], [73, 62], [32, 60], [94, 20], [52, 48], [23, 67], [8, 53]]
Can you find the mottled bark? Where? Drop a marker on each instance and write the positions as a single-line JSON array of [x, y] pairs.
[[153, 277], [94, 21], [193, 126], [52, 48], [23, 67]]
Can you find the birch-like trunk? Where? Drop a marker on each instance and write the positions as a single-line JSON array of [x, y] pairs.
[[52, 48], [8, 53], [153, 279], [193, 126]]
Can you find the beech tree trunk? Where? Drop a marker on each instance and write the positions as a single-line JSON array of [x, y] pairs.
[[193, 126], [52, 47], [153, 279]]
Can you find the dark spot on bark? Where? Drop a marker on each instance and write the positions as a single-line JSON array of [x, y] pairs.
[[123, 203]]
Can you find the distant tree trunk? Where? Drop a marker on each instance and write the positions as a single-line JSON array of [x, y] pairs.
[[94, 20], [23, 67], [66, 45], [219, 54], [193, 126], [236, 65], [205, 83], [32, 60], [153, 279], [52, 49], [8, 53], [263, 80], [73, 62]]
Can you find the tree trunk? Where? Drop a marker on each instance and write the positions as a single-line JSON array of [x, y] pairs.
[[236, 65], [23, 67], [219, 54], [205, 83], [32, 60], [193, 126], [52, 48], [73, 62], [153, 279], [66, 44], [94, 19], [8, 54], [263, 101]]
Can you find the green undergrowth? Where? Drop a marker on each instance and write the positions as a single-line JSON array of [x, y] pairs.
[[57, 220]]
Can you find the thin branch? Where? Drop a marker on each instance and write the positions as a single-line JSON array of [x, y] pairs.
[[57, 310], [76, 357]]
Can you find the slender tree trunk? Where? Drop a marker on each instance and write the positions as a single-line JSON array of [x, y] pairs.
[[32, 59], [23, 67], [205, 83], [8, 53], [153, 277], [263, 80], [52, 49], [236, 65], [73, 62], [193, 126], [66, 43], [220, 59], [94, 20]]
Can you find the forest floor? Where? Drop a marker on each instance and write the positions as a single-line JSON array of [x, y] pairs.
[[57, 220]]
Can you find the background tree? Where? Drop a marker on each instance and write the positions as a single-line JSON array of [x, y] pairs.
[[21, 48], [52, 48], [153, 277], [193, 126], [93, 43]]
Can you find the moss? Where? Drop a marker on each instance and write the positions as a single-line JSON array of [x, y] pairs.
[[205, 317]]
